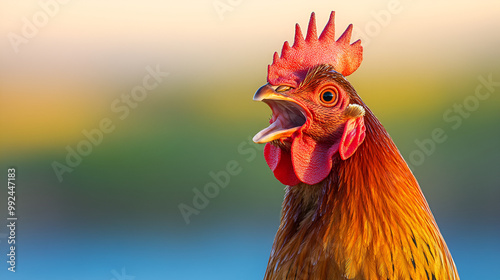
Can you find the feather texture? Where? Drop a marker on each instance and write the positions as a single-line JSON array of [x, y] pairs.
[[367, 220]]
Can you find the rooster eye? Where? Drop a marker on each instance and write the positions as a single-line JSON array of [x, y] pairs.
[[328, 96]]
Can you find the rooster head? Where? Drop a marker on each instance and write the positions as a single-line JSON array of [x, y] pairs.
[[315, 111]]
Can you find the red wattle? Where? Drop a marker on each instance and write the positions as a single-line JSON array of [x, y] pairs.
[[280, 162], [312, 161]]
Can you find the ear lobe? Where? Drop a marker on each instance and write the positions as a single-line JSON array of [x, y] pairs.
[[354, 134]]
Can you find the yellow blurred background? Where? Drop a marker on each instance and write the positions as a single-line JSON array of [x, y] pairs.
[[89, 49]]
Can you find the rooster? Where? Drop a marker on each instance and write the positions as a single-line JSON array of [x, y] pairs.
[[352, 207]]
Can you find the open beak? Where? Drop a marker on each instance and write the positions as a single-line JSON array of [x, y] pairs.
[[288, 115]]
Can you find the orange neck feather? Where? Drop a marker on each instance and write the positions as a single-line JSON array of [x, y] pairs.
[[367, 220]]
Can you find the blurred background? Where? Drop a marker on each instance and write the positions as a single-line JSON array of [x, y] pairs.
[[111, 209]]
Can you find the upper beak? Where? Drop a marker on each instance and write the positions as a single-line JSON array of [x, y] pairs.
[[267, 92], [288, 116]]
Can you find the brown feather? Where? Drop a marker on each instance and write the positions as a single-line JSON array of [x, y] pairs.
[[367, 220]]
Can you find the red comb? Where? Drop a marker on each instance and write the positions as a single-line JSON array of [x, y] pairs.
[[291, 68]]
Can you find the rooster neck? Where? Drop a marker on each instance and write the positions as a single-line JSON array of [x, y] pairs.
[[306, 198], [367, 220]]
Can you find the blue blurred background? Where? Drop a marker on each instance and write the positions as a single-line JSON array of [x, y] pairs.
[[116, 215]]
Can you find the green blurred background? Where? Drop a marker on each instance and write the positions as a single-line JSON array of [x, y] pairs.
[[117, 213]]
